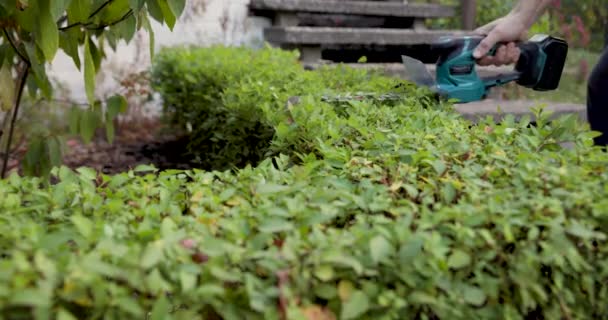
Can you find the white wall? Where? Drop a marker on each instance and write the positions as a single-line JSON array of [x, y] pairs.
[[204, 22]]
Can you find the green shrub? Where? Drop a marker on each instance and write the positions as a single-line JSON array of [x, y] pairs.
[[374, 211], [230, 100]]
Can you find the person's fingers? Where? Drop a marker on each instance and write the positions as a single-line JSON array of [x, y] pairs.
[[487, 28], [485, 61], [512, 52], [487, 43], [501, 55]]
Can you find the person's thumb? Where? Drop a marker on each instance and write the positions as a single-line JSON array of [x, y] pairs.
[[486, 44]]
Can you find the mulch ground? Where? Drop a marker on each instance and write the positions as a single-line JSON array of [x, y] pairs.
[[136, 143]]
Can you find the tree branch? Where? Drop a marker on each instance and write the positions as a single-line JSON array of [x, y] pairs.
[[123, 18], [12, 43], [23, 73], [93, 14], [105, 4], [99, 27]]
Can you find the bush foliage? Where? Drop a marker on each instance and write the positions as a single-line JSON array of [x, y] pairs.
[[365, 210], [229, 101]]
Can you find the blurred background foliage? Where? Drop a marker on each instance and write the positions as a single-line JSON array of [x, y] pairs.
[[581, 22]]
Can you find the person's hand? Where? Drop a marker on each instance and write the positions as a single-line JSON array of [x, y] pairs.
[[507, 29]]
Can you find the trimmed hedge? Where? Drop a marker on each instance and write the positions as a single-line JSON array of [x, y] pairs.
[[231, 101], [367, 211]]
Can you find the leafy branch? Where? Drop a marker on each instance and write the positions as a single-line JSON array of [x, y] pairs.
[[101, 26], [92, 15], [15, 47]]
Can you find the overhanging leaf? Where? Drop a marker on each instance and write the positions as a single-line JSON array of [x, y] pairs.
[[47, 34], [89, 72]]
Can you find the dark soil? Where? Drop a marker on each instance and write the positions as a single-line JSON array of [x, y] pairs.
[[141, 142], [136, 144]]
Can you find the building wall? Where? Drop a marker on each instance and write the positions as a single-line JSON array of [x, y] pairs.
[[204, 22]]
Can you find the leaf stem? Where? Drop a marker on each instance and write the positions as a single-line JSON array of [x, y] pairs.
[[98, 27], [22, 76], [12, 43], [105, 4], [94, 13]]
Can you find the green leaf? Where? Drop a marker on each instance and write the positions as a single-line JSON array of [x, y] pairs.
[[83, 224], [87, 173], [473, 295], [68, 42], [423, 298], [58, 7], [63, 314], [110, 132], [30, 297], [27, 20], [168, 15], [177, 7], [448, 192], [88, 124], [128, 304], [161, 309], [145, 168], [54, 148], [579, 230], [148, 28], [324, 272], [270, 188], [47, 34], [115, 104], [275, 225], [459, 259], [127, 28], [7, 88], [380, 248], [344, 260], [74, 120], [356, 305], [79, 11], [152, 255], [136, 5], [188, 280], [155, 10], [439, 167], [89, 72]]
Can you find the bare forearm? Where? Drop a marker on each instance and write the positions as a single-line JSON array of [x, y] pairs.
[[530, 10]]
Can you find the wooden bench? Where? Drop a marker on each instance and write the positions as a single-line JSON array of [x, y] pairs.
[[312, 25]]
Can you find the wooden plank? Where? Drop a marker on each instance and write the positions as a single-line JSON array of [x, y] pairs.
[[357, 36], [368, 8], [478, 110], [469, 11]]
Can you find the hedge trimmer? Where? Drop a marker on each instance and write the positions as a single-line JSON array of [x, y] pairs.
[[539, 68]]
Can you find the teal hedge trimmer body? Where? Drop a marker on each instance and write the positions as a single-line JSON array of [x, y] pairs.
[[539, 67]]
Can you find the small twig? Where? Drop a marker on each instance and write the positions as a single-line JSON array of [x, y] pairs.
[[62, 20], [564, 308], [98, 27], [23, 73], [105, 4], [12, 43], [123, 18], [65, 101], [94, 13], [283, 279]]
